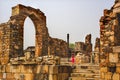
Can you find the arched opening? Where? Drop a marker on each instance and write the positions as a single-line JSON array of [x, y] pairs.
[[29, 33]]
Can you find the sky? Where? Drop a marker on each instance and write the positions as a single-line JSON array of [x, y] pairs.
[[76, 17]]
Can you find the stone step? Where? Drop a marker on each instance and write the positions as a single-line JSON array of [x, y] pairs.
[[76, 78], [90, 79], [86, 67], [84, 74], [97, 76], [78, 71], [86, 70], [82, 78]]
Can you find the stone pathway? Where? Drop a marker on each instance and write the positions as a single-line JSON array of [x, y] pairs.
[[85, 72]]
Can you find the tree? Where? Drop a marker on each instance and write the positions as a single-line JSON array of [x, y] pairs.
[[71, 45]]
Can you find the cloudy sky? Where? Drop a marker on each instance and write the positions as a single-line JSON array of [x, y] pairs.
[[76, 17]]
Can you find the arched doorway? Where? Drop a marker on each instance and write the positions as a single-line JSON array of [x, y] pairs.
[[19, 14], [29, 34]]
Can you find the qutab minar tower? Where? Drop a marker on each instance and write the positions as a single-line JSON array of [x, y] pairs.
[[110, 43]]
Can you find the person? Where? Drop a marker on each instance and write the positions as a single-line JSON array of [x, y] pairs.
[[73, 59]]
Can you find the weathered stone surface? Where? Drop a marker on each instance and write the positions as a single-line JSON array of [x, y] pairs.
[[108, 76], [113, 57], [53, 69], [53, 77], [116, 49], [110, 42], [118, 69], [79, 46], [97, 45], [11, 35], [84, 47], [96, 57], [104, 69], [58, 47], [116, 76], [102, 75], [88, 43], [34, 63]]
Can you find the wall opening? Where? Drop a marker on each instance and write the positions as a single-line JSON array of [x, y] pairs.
[[29, 33]]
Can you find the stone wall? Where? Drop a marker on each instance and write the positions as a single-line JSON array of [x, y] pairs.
[[88, 44], [97, 51], [97, 45], [5, 47], [84, 47], [79, 46], [109, 39], [34, 72], [58, 47]]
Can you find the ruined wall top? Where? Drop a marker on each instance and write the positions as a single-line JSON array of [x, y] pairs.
[[25, 10], [88, 39], [117, 1]]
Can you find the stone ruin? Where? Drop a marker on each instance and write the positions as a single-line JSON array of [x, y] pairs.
[[36, 62], [84, 47], [110, 43], [58, 47], [83, 50], [96, 58], [17, 64], [97, 45], [11, 35]]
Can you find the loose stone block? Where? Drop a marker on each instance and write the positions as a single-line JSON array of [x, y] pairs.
[[116, 76], [108, 76], [113, 57], [116, 49], [104, 69]]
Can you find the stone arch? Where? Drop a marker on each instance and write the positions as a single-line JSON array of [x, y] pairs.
[[19, 14], [28, 36]]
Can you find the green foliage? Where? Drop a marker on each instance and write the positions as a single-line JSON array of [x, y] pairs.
[[72, 45]]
